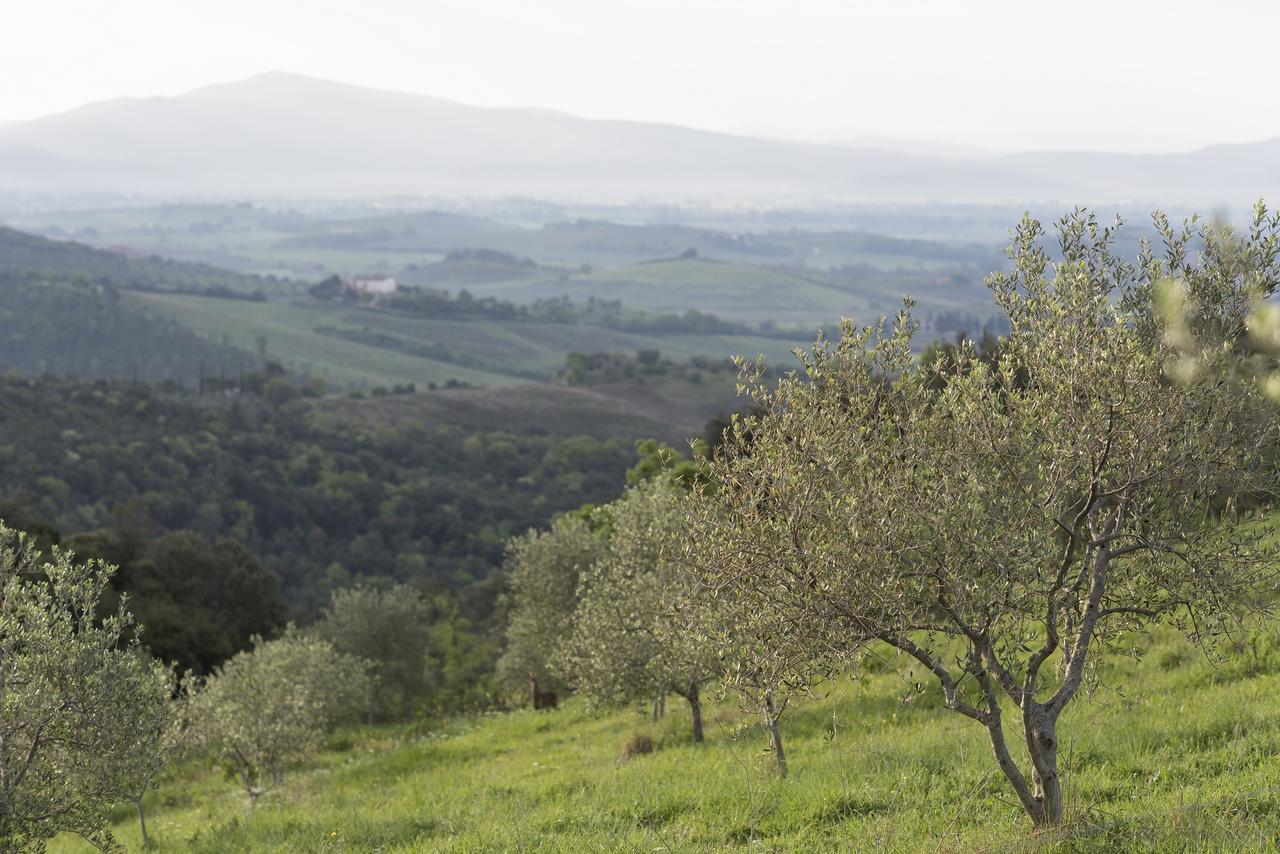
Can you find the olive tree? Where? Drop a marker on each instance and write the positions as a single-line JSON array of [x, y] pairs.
[[73, 690], [757, 664], [1004, 528], [147, 722], [544, 568], [271, 705], [390, 629], [636, 632]]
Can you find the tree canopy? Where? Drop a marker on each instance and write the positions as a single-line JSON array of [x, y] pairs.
[[73, 690], [636, 629]]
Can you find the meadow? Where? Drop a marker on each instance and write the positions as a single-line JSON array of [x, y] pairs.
[[1170, 752]]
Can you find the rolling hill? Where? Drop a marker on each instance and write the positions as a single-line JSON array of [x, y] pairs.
[[21, 252], [67, 310], [286, 135]]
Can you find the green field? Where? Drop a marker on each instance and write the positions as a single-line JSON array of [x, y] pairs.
[[1170, 754], [480, 352], [733, 291], [748, 293]]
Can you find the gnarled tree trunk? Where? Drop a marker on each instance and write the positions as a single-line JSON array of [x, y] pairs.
[[1042, 745]]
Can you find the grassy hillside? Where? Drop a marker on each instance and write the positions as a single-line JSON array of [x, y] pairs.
[[1174, 755], [354, 345]]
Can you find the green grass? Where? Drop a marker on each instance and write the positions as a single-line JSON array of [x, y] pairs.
[[1174, 756]]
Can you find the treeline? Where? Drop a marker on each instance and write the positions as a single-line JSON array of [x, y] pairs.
[[964, 323], [598, 368]]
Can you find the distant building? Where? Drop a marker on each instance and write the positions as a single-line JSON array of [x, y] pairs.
[[372, 284]]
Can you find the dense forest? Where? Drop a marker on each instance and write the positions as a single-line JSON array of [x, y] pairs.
[[321, 503]]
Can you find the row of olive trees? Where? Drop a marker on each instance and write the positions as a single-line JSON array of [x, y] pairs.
[[999, 519], [88, 720], [601, 604]]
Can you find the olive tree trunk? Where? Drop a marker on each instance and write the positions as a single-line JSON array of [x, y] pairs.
[[695, 708], [142, 821], [1042, 745], [771, 716], [692, 693]]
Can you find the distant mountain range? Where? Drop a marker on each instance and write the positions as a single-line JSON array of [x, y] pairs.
[[285, 135]]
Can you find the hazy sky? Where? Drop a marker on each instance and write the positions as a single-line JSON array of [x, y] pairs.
[[1162, 75]]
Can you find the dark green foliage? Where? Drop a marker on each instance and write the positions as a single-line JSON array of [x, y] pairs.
[[320, 501], [198, 602], [598, 368], [459, 665], [661, 460], [330, 288]]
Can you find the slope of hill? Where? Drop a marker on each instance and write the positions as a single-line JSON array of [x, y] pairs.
[[66, 312], [1181, 759], [63, 259], [670, 409], [757, 294], [351, 345], [77, 328]]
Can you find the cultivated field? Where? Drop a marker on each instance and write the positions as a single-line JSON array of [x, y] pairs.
[[424, 350]]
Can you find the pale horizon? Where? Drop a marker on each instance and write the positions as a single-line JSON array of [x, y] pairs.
[[1019, 79]]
